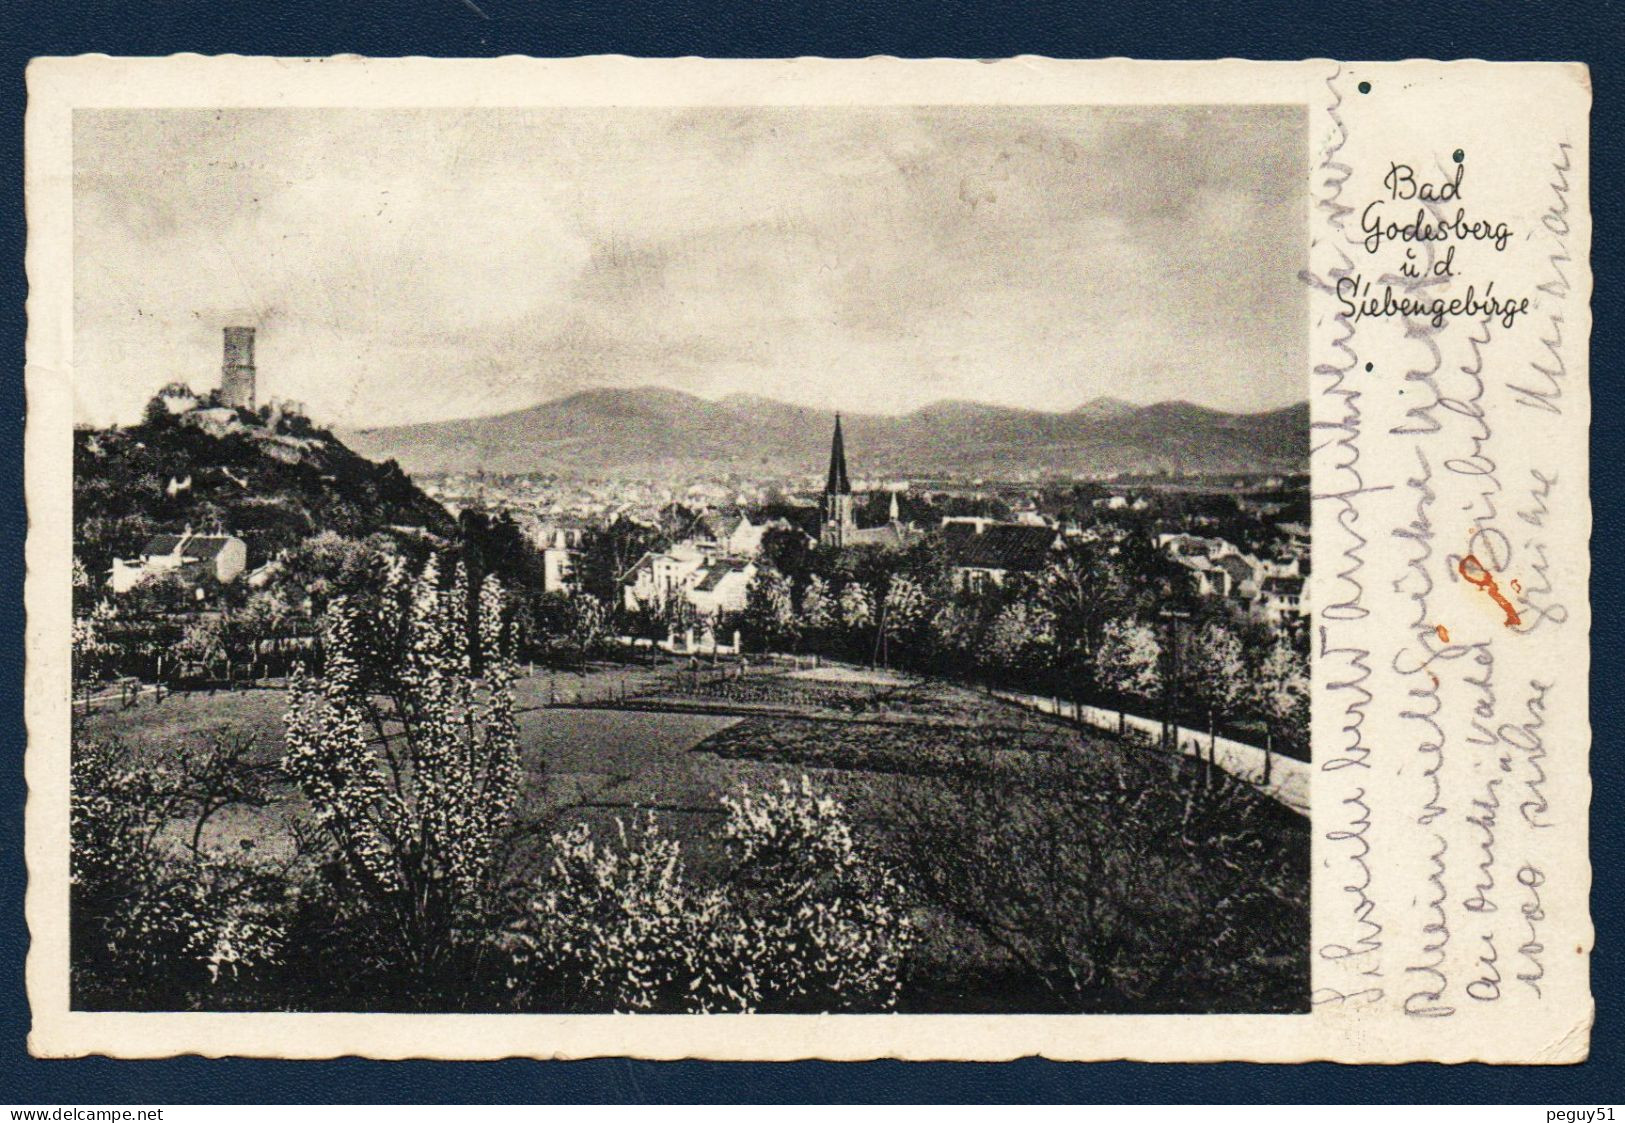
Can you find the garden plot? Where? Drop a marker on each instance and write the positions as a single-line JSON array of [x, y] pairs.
[[923, 748]]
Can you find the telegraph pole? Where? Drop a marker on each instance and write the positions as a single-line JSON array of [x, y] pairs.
[[1172, 618]]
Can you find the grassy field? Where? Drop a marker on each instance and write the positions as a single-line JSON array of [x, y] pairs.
[[885, 746], [672, 740], [595, 763]]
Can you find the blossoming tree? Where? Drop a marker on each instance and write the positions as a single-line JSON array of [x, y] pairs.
[[410, 763]]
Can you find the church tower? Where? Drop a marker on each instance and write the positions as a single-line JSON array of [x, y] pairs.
[[838, 521]]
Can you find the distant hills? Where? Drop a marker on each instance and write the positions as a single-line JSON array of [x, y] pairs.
[[648, 430]]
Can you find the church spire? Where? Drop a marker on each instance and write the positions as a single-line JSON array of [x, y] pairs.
[[839, 525], [838, 483]]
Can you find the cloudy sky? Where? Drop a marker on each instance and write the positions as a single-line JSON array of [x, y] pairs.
[[426, 264]]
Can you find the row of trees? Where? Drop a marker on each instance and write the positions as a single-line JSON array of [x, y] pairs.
[[1090, 626]]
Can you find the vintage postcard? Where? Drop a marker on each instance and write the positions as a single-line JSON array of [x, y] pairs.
[[780, 559]]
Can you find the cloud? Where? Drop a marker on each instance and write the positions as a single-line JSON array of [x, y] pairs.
[[407, 265]]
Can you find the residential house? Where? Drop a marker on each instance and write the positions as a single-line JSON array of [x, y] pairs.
[[806, 520], [1178, 544], [688, 573], [221, 556], [662, 576], [1297, 536], [559, 544], [986, 554], [721, 586], [558, 569], [730, 533], [1242, 572], [1289, 566], [1283, 600], [1207, 579]]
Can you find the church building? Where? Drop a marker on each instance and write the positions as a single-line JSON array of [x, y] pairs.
[[840, 527]]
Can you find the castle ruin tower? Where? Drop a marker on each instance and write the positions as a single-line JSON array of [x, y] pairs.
[[838, 521], [237, 370]]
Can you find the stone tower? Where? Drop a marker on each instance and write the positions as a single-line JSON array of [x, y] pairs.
[[838, 521], [237, 370]]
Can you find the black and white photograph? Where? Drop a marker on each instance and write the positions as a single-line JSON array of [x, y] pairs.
[[797, 560]]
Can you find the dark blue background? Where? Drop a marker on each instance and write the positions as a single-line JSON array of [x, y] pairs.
[[1587, 31]]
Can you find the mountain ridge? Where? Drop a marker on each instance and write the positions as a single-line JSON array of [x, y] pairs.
[[609, 431]]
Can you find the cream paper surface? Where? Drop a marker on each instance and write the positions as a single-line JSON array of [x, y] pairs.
[[1449, 794]]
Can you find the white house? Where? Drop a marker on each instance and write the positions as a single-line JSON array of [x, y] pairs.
[[710, 584], [722, 586], [1283, 599], [730, 534], [558, 569], [660, 576], [221, 555]]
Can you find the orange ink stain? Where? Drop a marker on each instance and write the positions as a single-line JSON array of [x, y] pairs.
[[1516, 588], [1442, 632], [1485, 580]]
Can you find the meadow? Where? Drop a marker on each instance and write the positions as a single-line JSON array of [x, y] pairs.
[[1028, 844]]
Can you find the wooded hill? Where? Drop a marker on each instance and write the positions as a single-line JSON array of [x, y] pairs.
[[273, 486]]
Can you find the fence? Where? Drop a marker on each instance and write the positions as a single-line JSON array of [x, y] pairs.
[[1282, 777]]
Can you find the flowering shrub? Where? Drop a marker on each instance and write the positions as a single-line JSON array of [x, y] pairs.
[[956, 629], [804, 922], [203, 643], [92, 650], [612, 925], [410, 765], [905, 609], [1021, 638], [856, 606], [153, 924], [1281, 693], [1216, 673], [770, 613], [1129, 659], [817, 607], [801, 921]]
